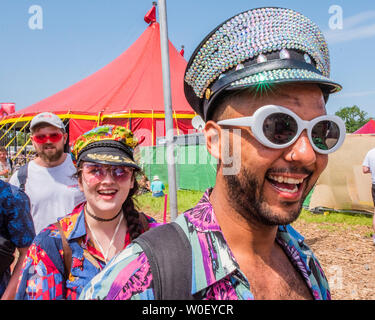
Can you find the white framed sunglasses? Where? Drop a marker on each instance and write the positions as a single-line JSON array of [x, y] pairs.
[[278, 127]]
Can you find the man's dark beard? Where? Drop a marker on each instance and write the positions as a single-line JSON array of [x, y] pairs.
[[51, 158], [244, 192]]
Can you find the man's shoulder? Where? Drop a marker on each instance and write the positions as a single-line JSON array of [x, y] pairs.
[[305, 259], [47, 236], [11, 193], [371, 153], [26, 168], [126, 277], [6, 187], [295, 240], [294, 233]]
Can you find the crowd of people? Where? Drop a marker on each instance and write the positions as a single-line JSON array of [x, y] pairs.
[[73, 219]]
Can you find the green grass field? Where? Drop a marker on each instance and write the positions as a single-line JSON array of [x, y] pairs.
[[337, 217], [187, 199]]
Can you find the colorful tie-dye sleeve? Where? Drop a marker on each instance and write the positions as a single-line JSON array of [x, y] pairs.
[[126, 277], [41, 278]]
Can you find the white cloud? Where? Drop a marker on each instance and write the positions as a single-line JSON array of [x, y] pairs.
[[337, 36], [358, 18], [356, 94], [349, 32]]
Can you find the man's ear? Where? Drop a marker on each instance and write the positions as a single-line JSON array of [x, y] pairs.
[[65, 135], [212, 134]]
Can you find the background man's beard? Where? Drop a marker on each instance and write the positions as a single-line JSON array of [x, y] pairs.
[[51, 157], [244, 192]]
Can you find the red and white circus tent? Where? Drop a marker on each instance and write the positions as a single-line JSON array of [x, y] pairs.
[[127, 91]]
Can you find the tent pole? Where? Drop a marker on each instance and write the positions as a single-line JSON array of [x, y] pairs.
[[168, 108], [26, 143], [15, 141], [152, 128]]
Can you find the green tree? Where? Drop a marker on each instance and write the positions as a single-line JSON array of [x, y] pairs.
[[353, 117]]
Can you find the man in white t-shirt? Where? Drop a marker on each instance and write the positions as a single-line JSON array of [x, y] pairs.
[[50, 184], [368, 166]]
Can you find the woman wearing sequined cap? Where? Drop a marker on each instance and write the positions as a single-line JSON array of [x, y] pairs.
[[67, 254]]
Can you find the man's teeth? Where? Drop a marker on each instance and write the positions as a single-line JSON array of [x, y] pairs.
[[288, 180], [295, 189]]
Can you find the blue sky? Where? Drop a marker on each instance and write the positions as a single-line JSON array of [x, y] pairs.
[[81, 36]]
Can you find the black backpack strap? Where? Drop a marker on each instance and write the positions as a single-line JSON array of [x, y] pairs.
[[22, 176], [169, 253], [7, 249]]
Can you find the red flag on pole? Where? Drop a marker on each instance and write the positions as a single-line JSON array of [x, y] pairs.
[[150, 15], [182, 51]]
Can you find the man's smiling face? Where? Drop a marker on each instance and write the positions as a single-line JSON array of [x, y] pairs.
[[49, 151], [273, 183]]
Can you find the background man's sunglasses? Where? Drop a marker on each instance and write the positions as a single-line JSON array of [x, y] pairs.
[[43, 138], [278, 127]]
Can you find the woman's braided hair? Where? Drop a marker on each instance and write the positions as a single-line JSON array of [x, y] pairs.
[[131, 214]]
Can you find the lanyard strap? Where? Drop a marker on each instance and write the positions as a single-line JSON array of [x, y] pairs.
[[105, 254]]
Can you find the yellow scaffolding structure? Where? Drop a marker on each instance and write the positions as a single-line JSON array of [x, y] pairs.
[[100, 117], [2, 126], [15, 122], [16, 135], [23, 147]]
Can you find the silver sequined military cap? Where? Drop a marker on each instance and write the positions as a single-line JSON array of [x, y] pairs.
[[258, 47]]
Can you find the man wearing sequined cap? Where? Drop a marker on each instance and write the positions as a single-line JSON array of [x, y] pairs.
[[260, 80]]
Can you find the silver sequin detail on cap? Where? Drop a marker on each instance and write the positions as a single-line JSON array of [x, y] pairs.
[[250, 34], [307, 58], [239, 66], [261, 58], [273, 76], [284, 54]]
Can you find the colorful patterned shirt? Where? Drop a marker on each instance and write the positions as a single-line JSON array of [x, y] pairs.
[[16, 223], [43, 268], [215, 272]]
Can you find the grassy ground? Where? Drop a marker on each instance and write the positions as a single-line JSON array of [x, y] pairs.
[[186, 199], [337, 217], [334, 221]]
